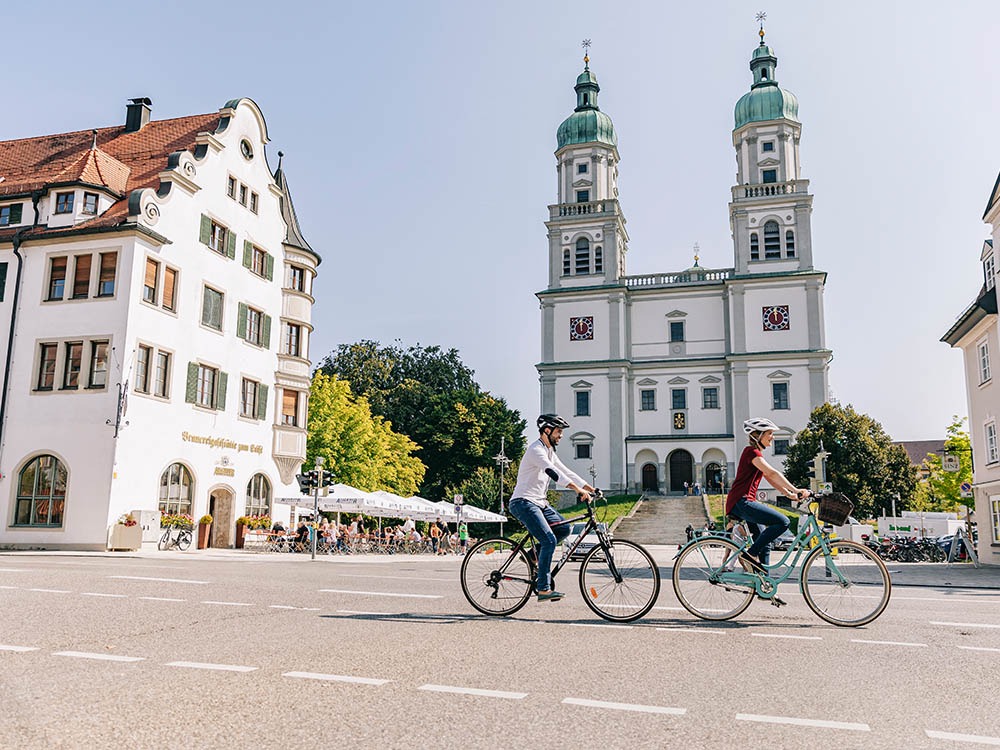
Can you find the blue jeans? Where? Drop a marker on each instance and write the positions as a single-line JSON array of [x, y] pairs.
[[766, 524], [537, 520]]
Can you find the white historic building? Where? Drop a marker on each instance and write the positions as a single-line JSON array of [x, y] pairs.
[[155, 299], [975, 333], [656, 373]]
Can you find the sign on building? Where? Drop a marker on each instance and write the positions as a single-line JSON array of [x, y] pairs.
[[949, 462]]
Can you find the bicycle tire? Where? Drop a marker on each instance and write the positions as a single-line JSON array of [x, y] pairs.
[[489, 591], [184, 539], [694, 569], [822, 590], [628, 599], [164, 542]]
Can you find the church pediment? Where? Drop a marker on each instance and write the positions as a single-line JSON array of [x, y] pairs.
[[768, 162], [710, 379], [678, 381], [781, 374], [582, 384], [676, 314], [646, 381], [582, 183]]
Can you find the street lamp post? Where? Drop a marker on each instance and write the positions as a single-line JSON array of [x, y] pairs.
[[502, 463]]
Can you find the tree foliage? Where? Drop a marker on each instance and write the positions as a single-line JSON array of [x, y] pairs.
[[360, 448], [863, 463], [430, 395], [941, 490]]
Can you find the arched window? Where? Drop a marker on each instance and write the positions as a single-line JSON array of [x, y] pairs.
[[583, 255], [754, 246], [567, 267], [772, 240], [41, 493], [176, 489], [586, 99], [763, 74], [258, 496], [598, 260], [789, 244]]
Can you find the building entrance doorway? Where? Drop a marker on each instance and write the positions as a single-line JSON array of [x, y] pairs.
[[650, 480], [713, 478], [220, 508], [680, 467]]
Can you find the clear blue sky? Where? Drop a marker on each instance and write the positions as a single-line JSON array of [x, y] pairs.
[[419, 138]]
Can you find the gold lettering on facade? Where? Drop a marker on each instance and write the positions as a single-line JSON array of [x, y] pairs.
[[224, 472], [216, 442]]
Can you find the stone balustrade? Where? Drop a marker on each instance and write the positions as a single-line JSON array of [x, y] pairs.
[[698, 276]]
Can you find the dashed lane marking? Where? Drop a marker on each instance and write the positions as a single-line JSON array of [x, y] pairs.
[[966, 624], [599, 625], [289, 606], [695, 630], [625, 706], [18, 649], [979, 648], [976, 739], [14, 570], [473, 691], [787, 635], [161, 599], [381, 593], [50, 591], [107, 596], [97, 657], [161, 580], [230, 604], [394, 578], [203, 665], [819, 723], [889, 643], [336, 678], [11, 588], [359, 612]]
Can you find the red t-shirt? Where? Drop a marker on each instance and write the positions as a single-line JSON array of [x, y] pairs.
[[747, 479]]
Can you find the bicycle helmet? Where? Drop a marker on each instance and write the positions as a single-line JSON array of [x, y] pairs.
[[551, 420], [759, 424]]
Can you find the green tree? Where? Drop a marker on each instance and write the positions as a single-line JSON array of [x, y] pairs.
[[361, 449], [428, 394], [941, 491], [863, 463]]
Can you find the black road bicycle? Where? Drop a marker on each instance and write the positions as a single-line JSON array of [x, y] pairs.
[[182, 540], [619, 580]]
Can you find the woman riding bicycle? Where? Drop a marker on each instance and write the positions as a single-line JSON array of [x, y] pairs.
[[766, 524], [529, 505]]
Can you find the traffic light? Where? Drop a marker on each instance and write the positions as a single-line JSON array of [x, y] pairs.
[[326, 479], [812, 469], [308, 481]]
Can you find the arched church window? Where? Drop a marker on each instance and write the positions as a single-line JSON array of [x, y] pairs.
[[567, 267], [789, 244], [582, 256], [754, 246], [598, 260], [772, 240]]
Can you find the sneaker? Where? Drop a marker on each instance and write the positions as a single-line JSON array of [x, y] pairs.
[[753, 562], [549, 596]]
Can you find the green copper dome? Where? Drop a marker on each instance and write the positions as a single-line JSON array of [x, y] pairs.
[[765, 100], [587, 124]]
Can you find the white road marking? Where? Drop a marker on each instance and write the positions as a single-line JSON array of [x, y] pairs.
[[598, 625], [976, 739], [473, 691], [336, 678], [50, 591], [626, 706], [161, 599], [672, 609], [18, 649], [359, 612], [161, 580], [98, 657], [943, 600], [966, 624], [230, 604], [289, 606], [394, 578], [785, 635], [12, 588], [14, 570], [889, 643], [109, 596], [380, 593], [804, 722], [979, 648], [203, 665], [695, 630]]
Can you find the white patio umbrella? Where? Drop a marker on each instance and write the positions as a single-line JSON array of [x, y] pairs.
[[472, 514]]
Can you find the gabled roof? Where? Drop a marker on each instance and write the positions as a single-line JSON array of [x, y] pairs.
[[97, 167], [293, 234], [994, 196]]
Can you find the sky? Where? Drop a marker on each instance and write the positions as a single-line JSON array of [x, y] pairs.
[[419, 140]]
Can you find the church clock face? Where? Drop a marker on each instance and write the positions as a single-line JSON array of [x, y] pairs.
[[775, 318], [581, 329]]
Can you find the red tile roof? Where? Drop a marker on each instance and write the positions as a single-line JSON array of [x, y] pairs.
[[122, 161]]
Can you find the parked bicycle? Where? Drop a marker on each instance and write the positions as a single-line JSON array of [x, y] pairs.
[[619, 579], [181, 540], [843, 582]]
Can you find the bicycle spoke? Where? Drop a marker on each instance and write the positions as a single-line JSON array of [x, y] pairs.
[[623, 588], [849, 588], [698, 585], [493, 581]]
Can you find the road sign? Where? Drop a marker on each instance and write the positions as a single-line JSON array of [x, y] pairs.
[[826, 486], [459, 500], [949, 462], [965, 490]]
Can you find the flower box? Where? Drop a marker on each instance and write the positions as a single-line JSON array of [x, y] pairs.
[[125, 537]]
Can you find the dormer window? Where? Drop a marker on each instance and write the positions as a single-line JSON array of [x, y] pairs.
[[10, 214], [989, 272], [90, 203], [64, 203]]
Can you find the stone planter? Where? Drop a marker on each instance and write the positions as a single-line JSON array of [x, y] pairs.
[[203, 531], [241, 532], [125, 537]]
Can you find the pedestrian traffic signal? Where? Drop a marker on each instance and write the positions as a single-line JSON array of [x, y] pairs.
[[308, 481]]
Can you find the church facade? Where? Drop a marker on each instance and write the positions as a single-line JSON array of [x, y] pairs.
[[656, 372]]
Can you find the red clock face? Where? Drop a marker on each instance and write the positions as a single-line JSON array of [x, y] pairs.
[[775, 318], [581, 329]]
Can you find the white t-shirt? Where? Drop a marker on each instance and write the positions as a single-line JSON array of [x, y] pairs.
[[409, 525], [533, 482]]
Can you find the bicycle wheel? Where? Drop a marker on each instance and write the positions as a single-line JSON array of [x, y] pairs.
[[696, 584], [164, 542], [849, 588], [496, 581], [622, 600], [184, 539]]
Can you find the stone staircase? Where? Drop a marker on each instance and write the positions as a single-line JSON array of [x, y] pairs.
[[662, 519]]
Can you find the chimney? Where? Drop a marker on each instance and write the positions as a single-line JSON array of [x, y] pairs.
[[137, 114]]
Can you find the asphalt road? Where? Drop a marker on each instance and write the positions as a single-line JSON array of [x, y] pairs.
[[278, 651]]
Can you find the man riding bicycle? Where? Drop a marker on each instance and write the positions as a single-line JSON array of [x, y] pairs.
[[529, 505]]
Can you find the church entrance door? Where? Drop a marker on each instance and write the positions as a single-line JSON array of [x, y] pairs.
[[650, 480], [680, 467]]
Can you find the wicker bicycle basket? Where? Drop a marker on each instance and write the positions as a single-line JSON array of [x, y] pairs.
[[834, 509]]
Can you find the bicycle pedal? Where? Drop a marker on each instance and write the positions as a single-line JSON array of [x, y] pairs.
[[775, 601]]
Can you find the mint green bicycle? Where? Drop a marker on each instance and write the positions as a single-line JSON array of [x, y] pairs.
[[843, 582]]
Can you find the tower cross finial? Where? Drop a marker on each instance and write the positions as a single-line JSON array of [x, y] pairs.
[[761, 17], [586, 53]]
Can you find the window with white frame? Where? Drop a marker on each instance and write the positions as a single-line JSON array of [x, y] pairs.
[[984, 362], [647, 399], [995, 516], [583, 450], [710, 397], [779, 396], [989, 272], [679, 398], [991, 443], [258, 496], [582, 404]]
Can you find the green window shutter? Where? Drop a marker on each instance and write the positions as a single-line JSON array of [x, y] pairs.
[[262, 402], [247, 254], [15, 213], [206, 230], [230, 245], [269, 267], [241, 322], [191, 391], [3, 279], [220, 393], [265, 331]]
